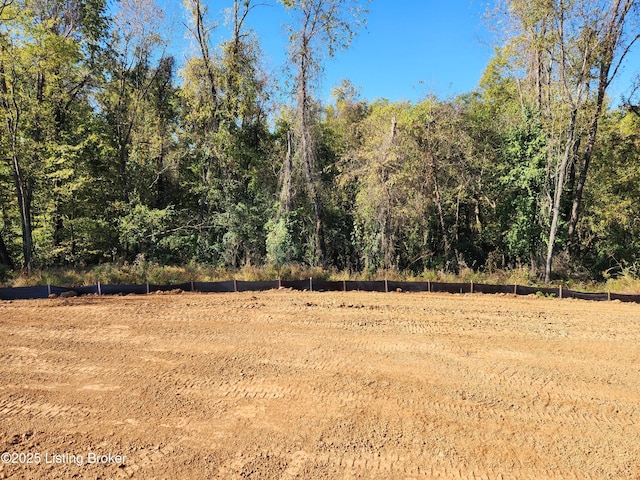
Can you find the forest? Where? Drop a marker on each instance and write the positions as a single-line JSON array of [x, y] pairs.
[[112, 152]]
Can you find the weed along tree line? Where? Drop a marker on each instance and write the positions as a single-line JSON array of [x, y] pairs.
[[111, 148]]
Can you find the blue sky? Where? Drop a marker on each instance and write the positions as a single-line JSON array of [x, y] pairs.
[[414, 48], [408, 50]]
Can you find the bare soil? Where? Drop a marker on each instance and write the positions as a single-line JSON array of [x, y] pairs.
[[284, 385]]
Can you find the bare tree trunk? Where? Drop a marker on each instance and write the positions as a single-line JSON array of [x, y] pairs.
[[201, 34], [557, 199], [123, 129], [387, 225], [308, 157], [287, 167], [327, 22], [123, 160], [588, 154], [308, 149], [24, 203], [570, 182], [436, 191], [23, 186]]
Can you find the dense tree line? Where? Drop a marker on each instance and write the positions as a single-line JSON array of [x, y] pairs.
[[110, 151]]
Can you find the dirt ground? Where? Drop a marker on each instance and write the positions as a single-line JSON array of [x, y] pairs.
[[284, 385]]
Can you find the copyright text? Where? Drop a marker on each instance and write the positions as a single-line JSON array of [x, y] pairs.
[[62, 458]]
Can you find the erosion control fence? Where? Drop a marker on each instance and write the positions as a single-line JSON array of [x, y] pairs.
[[23, 293]]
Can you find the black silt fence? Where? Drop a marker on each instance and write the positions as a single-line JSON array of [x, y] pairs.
[[214, 287], [625, 298], [60, 290], [123, 289], [409, 286], [326, 286], [451, 287], [372, 286], [259, 286], [86, 290], [39, 292], [520, 290], [493, 289], [185, 287], [295, 284], [598, 297], [24, 293]]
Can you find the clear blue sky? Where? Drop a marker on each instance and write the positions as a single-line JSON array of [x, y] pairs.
[[409, 49], [413, 48]]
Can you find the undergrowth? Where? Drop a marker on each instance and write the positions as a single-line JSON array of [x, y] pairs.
[[142, 271]]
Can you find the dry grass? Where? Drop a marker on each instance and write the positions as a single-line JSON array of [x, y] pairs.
[[142, 271]]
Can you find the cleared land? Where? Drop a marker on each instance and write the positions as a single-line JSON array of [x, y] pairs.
[[283, 385]]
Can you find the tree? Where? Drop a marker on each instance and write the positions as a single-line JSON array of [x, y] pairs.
[[417, 186], [43, 80], [341, 139], [130, 78], [522, 181], [227, 147], [609, 230], [613, 44], [568, 50], [321, 26]]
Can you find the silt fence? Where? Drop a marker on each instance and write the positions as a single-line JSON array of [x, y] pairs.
[[229, 286]]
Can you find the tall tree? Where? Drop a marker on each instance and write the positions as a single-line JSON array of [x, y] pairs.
[[244, 142], [613, 41], [225, 117], [130, 77], [609, 230], [43, 78], [521, 180], [320, 27], [577, 48]]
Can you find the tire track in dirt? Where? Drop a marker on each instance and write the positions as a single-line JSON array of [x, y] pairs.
[[292, 385], [139, 462], [10, 408]]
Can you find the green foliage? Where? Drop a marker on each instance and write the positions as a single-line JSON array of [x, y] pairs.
[[153, 233], [283, 241], [107, 159], [522, 183], [610, 230]]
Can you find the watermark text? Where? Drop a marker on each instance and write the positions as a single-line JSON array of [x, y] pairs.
[[61, 458]]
